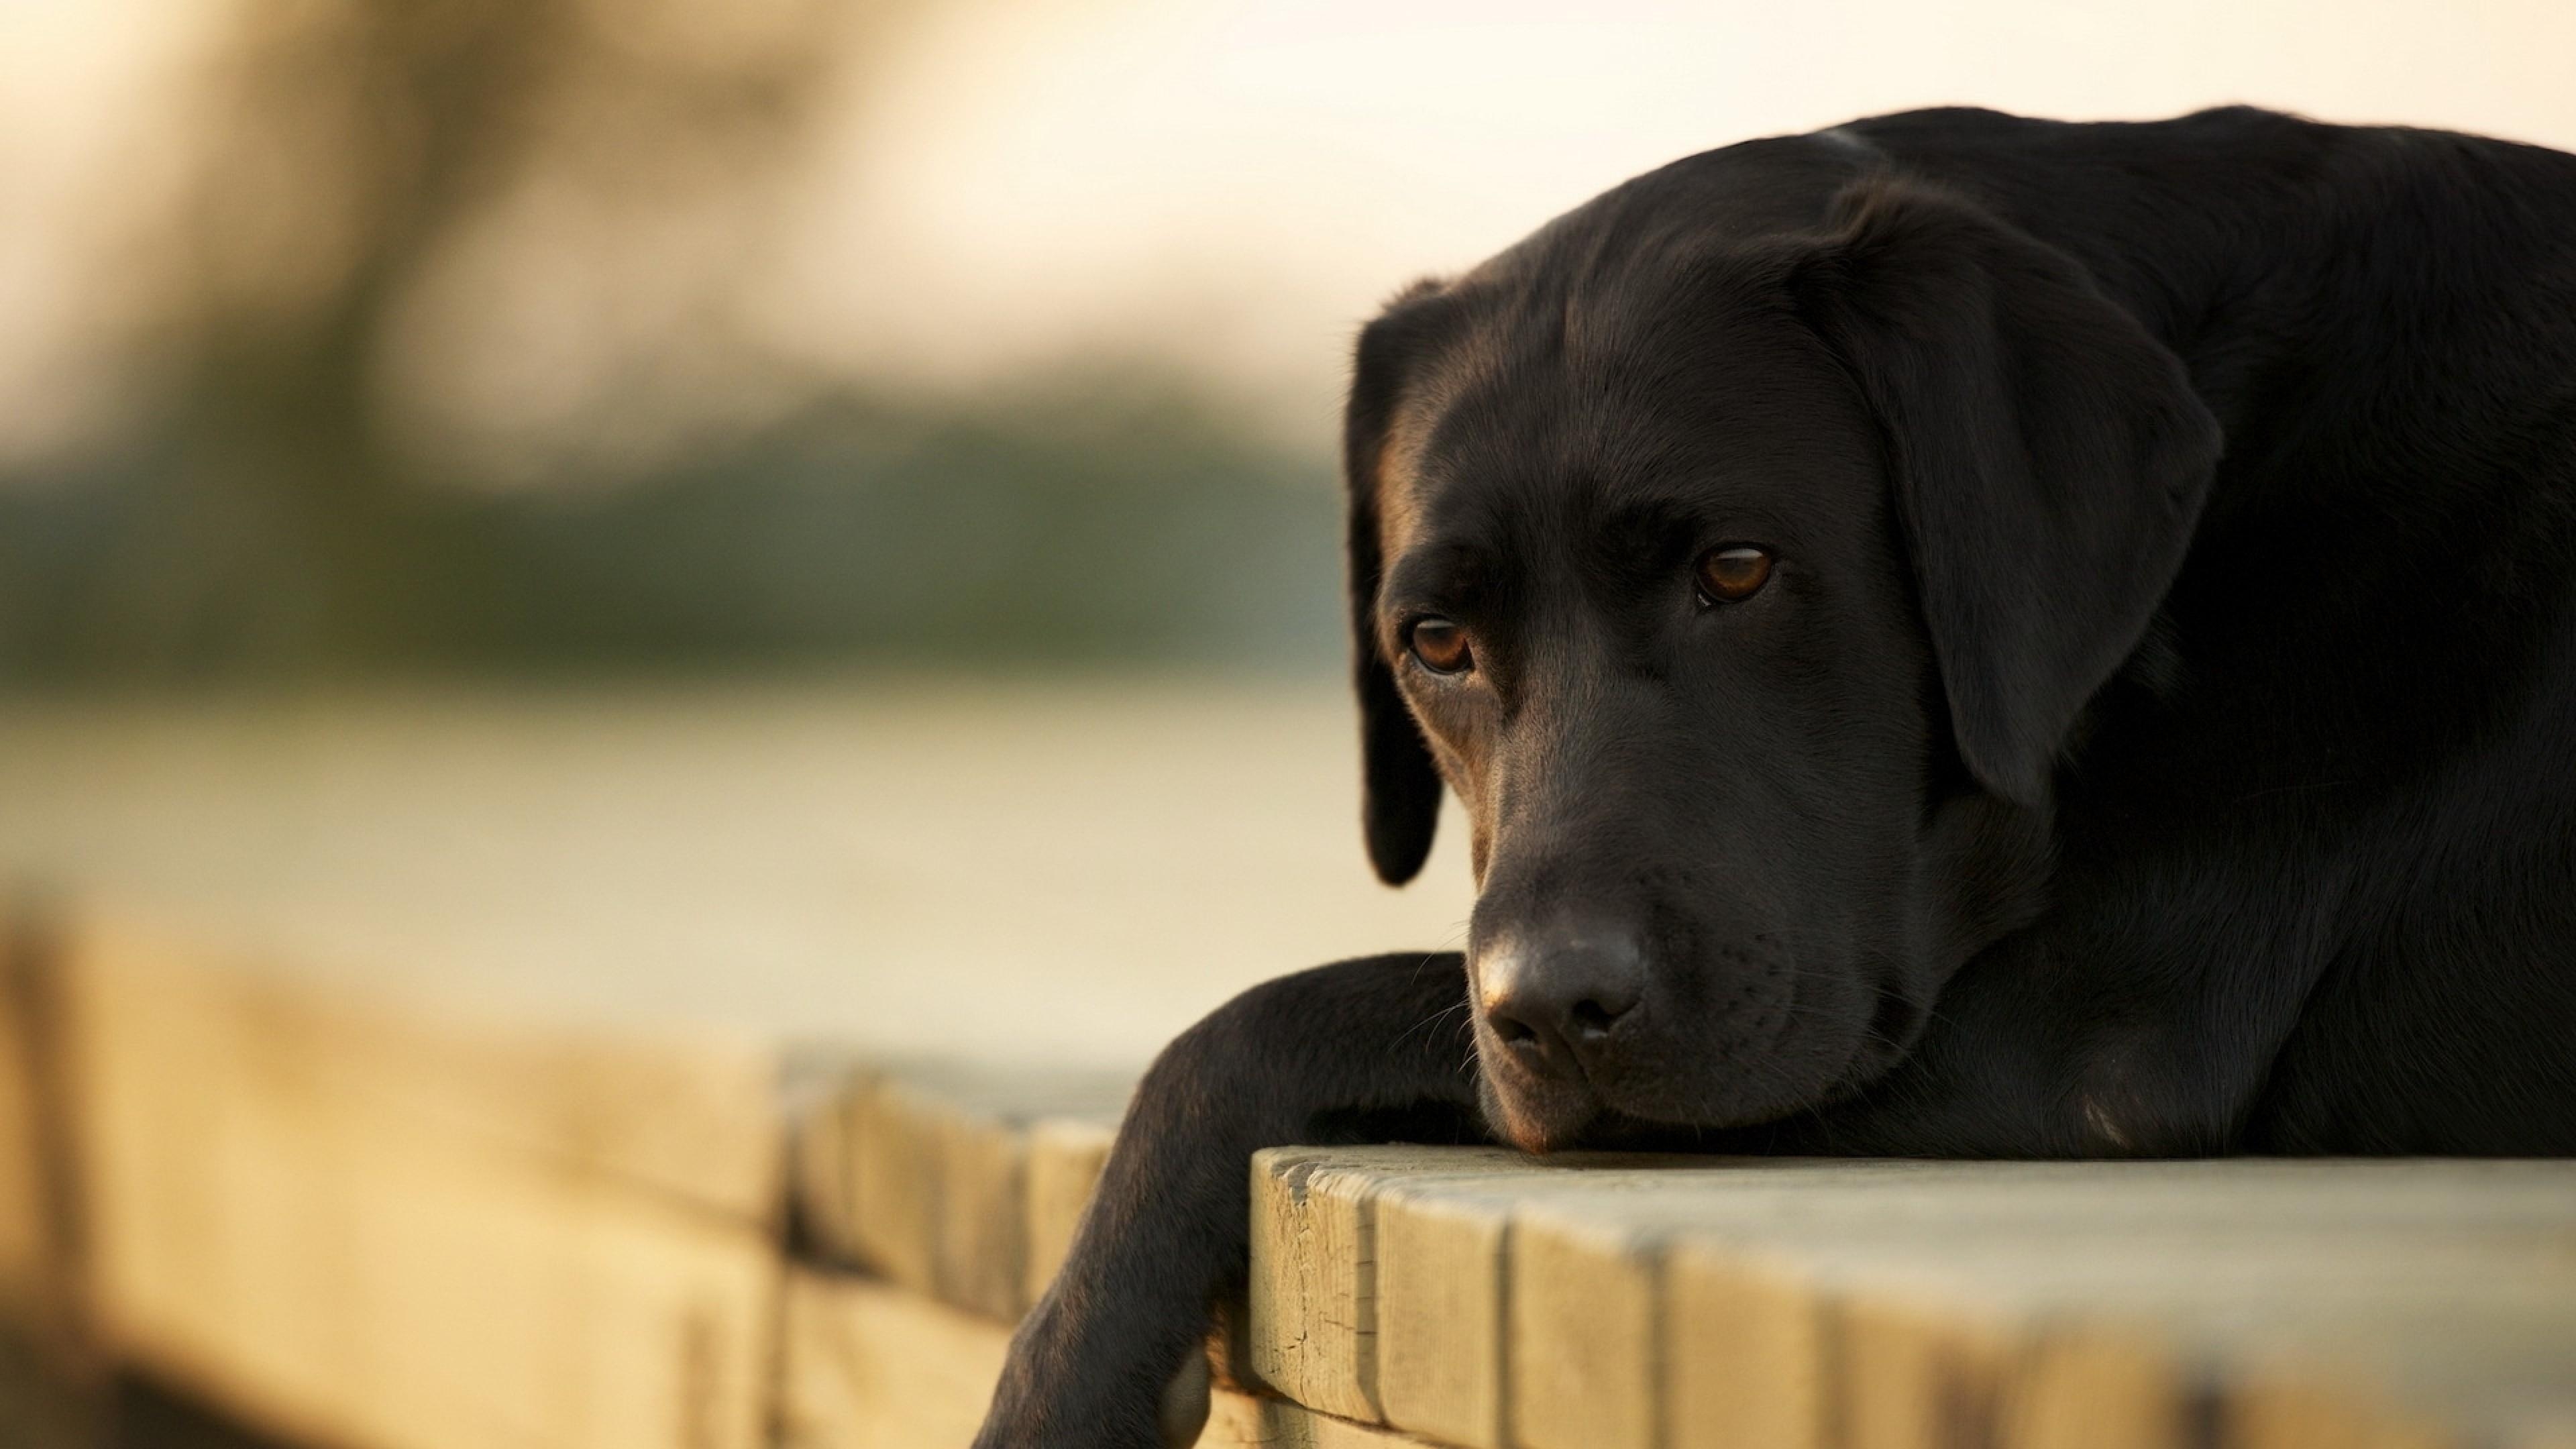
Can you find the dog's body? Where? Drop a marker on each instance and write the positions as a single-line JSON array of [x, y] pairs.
[[1957, 636]]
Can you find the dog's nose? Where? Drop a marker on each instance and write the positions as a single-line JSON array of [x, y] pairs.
[[1553, 999]]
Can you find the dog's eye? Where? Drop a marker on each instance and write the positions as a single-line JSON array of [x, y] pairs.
[[1441, 646], [1733, 573]]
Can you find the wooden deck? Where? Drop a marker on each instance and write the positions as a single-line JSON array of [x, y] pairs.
[[361, 1081]]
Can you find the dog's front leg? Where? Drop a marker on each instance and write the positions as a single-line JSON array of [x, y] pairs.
[[1360, 1050]]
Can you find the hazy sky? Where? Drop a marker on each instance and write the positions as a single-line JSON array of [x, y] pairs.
[[1227, 186], [1252, 177]]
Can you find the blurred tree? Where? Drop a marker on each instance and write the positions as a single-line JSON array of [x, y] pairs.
[[399, 220], [340, 148]]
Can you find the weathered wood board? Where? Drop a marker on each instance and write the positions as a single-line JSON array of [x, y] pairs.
[[31, 1230], [961, 1182], [43, 1309], [352, 1232], [1317, 1255], [1587, 1302], [362, 1225]]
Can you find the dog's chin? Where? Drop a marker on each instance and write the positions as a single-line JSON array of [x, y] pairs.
[[1542, 1117], [1537, 1117], [1728, 1102]]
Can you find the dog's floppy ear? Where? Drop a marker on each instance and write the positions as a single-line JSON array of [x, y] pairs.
[[2050, 457], [1400, 787]]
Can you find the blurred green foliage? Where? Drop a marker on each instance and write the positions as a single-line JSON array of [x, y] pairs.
[[1070, 527], [259, 517]]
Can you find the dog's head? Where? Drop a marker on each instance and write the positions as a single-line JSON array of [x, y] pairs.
[[1743, 549]]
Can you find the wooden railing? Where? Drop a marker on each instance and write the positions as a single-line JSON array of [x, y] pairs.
[[363, 1220]]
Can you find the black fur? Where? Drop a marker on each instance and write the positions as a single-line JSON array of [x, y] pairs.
[[2168, 673]]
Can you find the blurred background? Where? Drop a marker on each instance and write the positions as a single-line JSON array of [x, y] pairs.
[[524, 337]]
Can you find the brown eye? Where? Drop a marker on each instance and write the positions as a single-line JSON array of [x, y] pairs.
[[1734, 573], [1441, 646]]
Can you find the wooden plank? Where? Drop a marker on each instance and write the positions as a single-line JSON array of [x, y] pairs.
[[1886, 1305], [1247, 1421], [2092, 1386], [39, 1228], [2015, 1321], [1745, 1352], [1589, 1317], [2545, 1428], [1462, 1297], [1915, 1375], [2419, 1334], [54, 1381], [1442, 1311], [929, 1174], [1380, 1278], [979, 1238], [2306, 1415], [2470, 1355], [820, 1084], [1312, 1291], [695, 1116], [338, 1267], [1378, 1284], [25, 1218], [1582, 1338], [871, 1366], [1314, 1295]]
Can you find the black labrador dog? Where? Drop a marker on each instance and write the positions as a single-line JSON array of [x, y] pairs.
[[1955, 635]]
